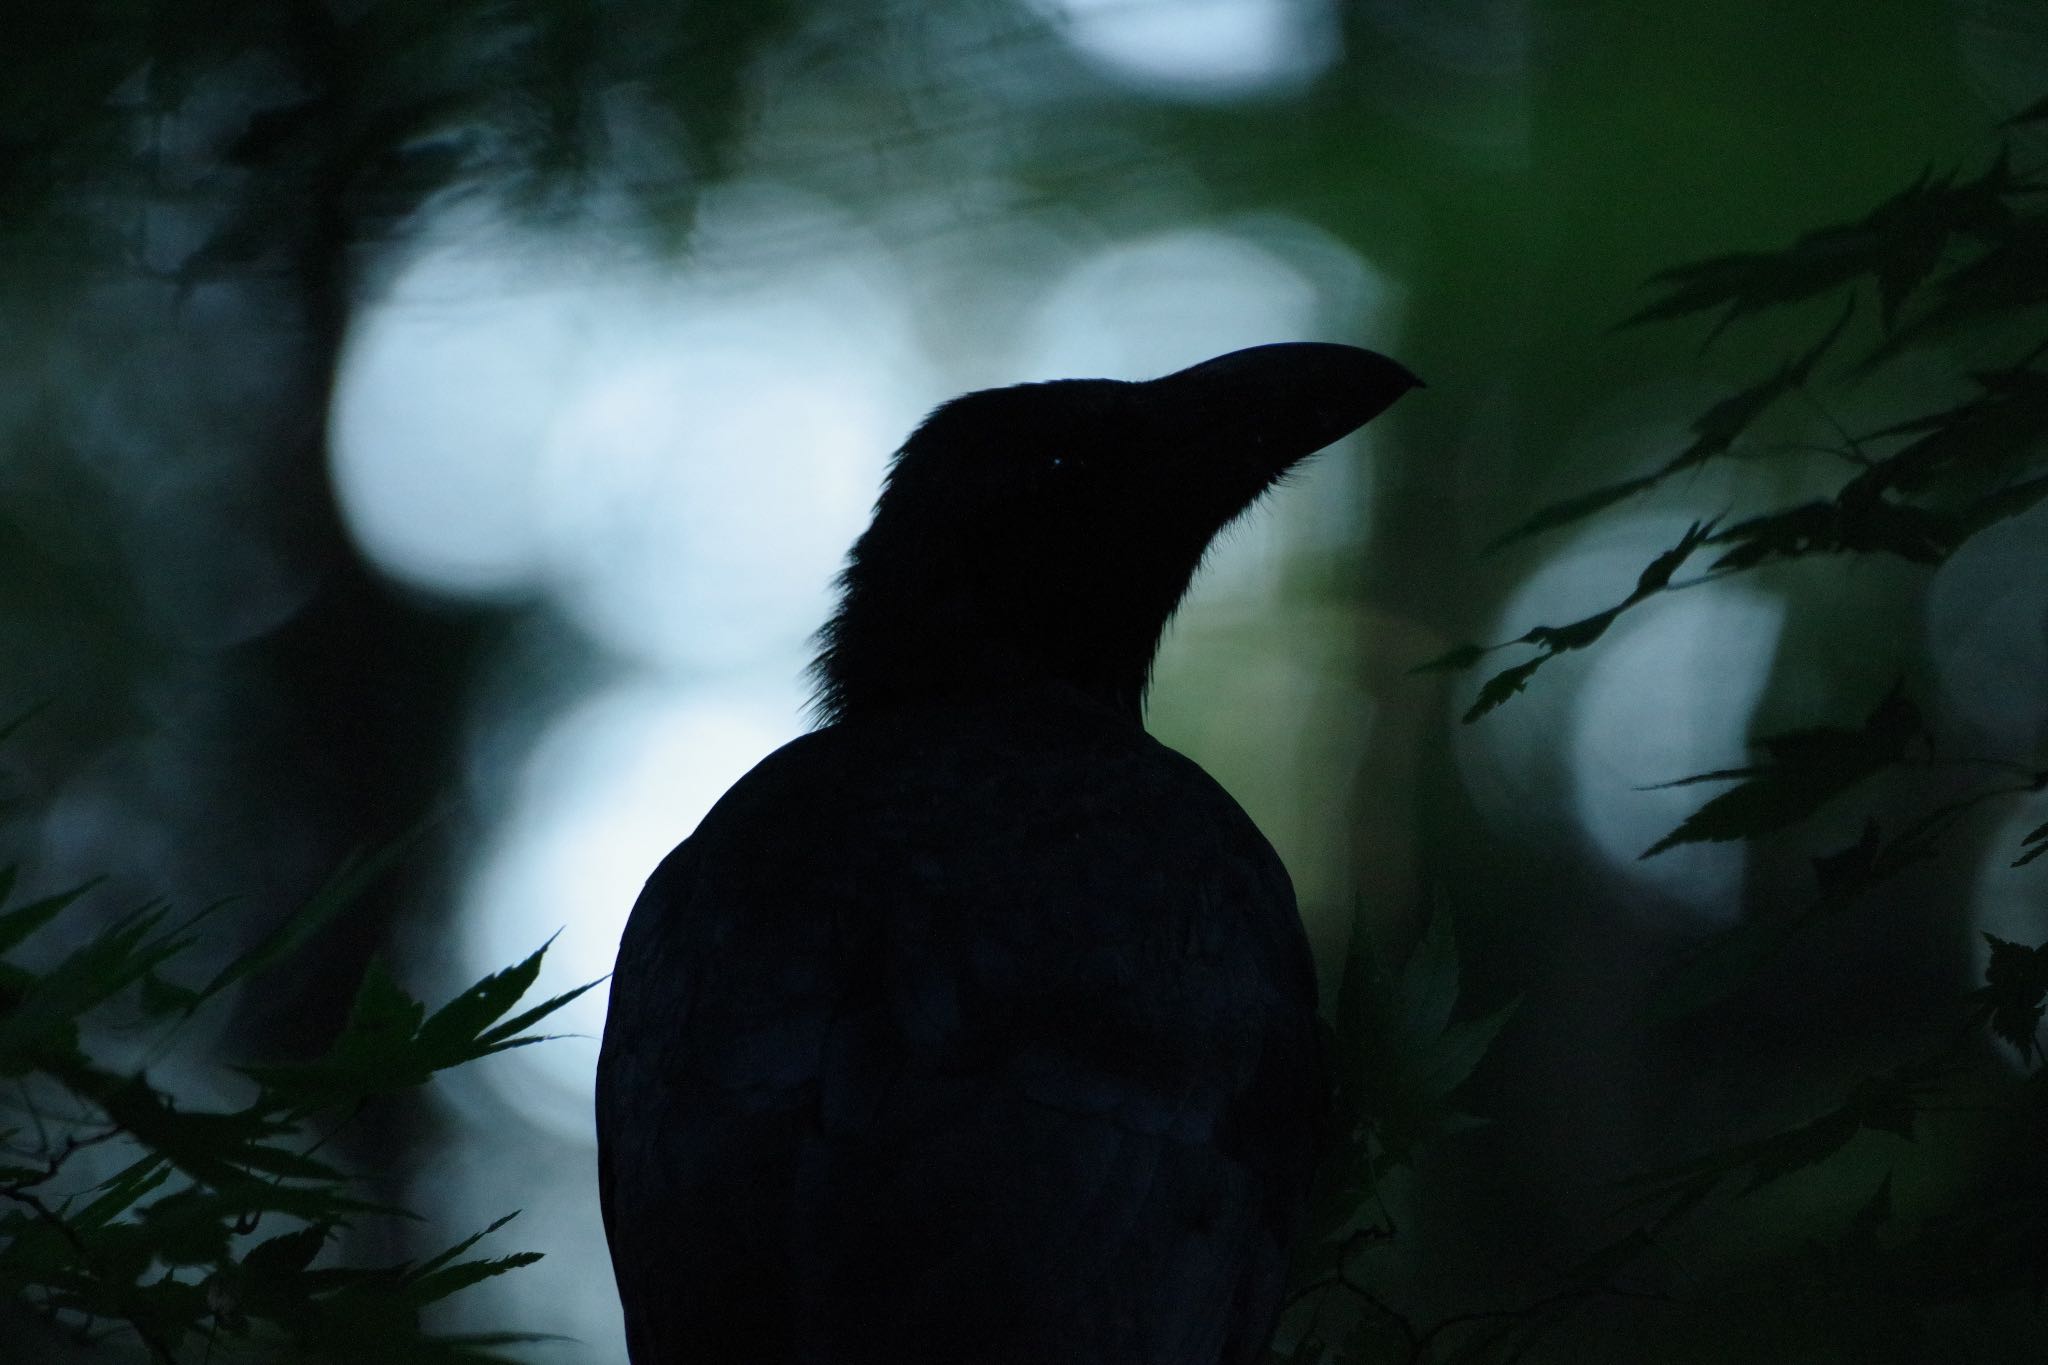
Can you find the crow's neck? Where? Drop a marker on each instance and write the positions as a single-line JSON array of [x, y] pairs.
[[884, 650]]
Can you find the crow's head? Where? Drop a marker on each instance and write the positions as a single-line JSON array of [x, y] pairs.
[[1047, 531]]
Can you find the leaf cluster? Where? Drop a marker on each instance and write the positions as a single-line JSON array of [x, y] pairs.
[[1401, 1054], [1945, 255], [204, 1232], [1941, 255], [1938, 256]]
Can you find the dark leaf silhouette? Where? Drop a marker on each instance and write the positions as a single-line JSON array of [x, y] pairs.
[[1503, 685], [1895, 245], [2035, 843], [1864, 526], [1453, 660], [1556, 640], [2033, 113], [2012, 273], [1806, 768], [1577, 509], [162, 1245], [1715, 433], [2015, 985], [1888, 1104], [390, 1043], [1983, 439], [1729, 958]]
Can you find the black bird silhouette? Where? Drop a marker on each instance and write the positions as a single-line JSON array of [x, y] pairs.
[[977, 1027]]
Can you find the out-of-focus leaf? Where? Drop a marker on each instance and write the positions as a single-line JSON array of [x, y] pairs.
[[41, 1023], [1986, 438], [287, 1254], [17, 924], [1503, 685], [1556, 640], [1847, 871], [2033, 113], [1576, 509], [2002, 505], [1859, 526], [121, 1192], [2035, 842], [343, 888], [1453, 660], [1406, 1056], [1806, 769], [1894, 245], [1727, 960], [21, 718], [2011, 274], [1718, 966], [2013, 994], [1714, 434], [1881, 1104]]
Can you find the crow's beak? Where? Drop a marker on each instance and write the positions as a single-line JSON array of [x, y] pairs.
[[1279, 404]]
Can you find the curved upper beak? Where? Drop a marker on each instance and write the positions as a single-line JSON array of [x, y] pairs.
[[1281, 403]]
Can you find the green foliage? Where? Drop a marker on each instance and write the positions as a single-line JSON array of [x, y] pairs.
[[205, 1238], [1805, 769], [1938, 256], [1887, 1249], [1400, 1058]]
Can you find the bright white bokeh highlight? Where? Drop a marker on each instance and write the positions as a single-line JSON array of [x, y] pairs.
[[444, 387], [605, 791], [675, 460], [1201, 49], [695, 503], [1668, 692]]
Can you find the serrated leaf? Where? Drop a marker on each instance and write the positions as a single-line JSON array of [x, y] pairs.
[[343, 888], [288, 1253], [1574, 509], [2010, 274], [1892, 240], [41, 1023], [454, 1029], [17, 924], [1714, 434], [1809, 767], [1991, 436], [2035, 841], [1848, 525], [390, 1044], [505, 1035], [2015, 993], [1402, 1056], [1502, 685]]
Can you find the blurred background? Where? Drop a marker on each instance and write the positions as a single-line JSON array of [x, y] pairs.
[[455, 414]]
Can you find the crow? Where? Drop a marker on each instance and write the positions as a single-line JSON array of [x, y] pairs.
[[977, 1027]]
